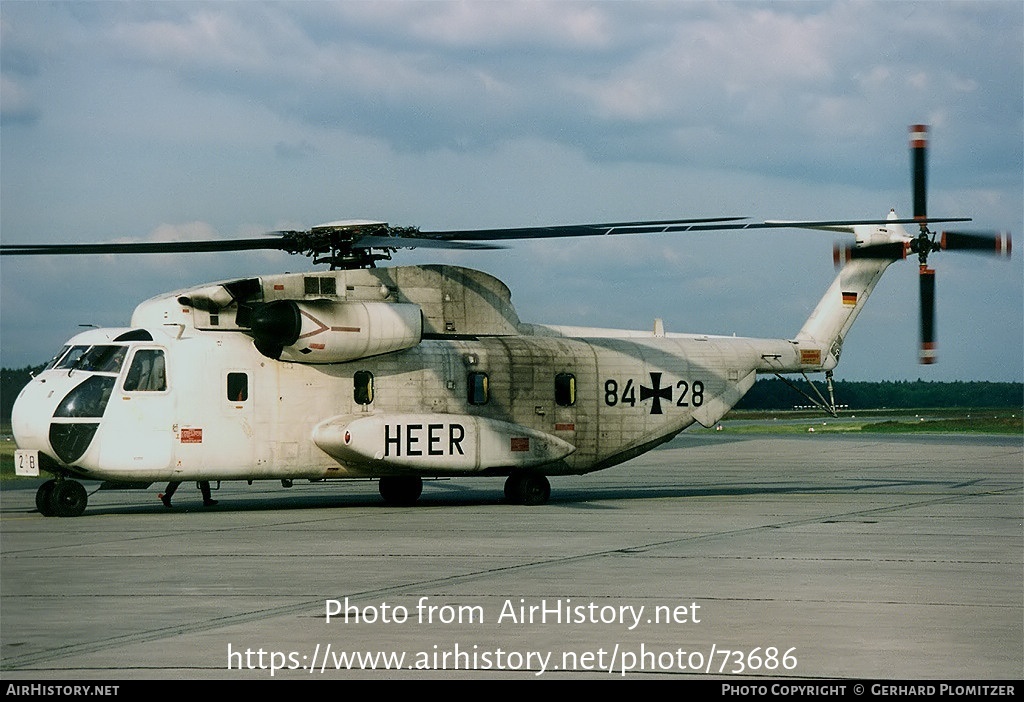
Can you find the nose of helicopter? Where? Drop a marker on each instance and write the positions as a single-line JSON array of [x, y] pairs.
[[30, 416], [48, 414]]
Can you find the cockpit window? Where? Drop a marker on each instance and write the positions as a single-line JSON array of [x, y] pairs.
[[147, 372], [99, 359], [135, 335], [104, 359], [87, 400], [69, 357], [56, 359]]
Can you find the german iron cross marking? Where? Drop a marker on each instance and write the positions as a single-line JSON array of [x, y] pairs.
[[657, 393]]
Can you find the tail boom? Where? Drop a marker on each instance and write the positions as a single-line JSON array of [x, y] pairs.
[[837, 310]]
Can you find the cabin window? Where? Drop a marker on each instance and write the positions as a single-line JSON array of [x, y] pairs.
[[238, 387], [565, 389], [362, 391], [147, 373], [477, 390]]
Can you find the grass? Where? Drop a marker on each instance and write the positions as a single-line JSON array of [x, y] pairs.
[[903, 421], [984, 425], [7, 456], [899, 421]]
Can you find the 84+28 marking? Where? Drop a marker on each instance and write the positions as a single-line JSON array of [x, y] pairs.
[[691, 394]]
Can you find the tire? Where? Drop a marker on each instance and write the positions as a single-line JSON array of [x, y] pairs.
[[526, 488], [400, 490], [512, 488], [69, 498], [44, 498], [534, 489]]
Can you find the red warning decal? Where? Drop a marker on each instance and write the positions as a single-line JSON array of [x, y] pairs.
[[810, 357]]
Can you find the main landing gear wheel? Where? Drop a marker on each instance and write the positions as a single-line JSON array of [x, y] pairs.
[[61, 498], [525, 488], [400, 490]]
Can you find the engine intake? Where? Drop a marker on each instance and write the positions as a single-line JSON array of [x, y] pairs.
[[325, 331]]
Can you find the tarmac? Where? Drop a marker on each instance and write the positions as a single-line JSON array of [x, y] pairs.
[[734, 557]]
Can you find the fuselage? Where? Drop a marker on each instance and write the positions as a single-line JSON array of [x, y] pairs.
[[209, 406]]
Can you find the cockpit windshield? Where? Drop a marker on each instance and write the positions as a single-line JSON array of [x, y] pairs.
[[69, 356], [56, 359], [99, 359]]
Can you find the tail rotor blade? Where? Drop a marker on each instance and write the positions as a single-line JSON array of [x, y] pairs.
[[996, 244], [893, 251], [919, 169], [928, 349]]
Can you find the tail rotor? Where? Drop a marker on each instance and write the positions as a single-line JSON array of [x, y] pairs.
[[926, 243]]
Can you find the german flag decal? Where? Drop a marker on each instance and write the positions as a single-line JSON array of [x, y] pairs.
[[850, 298], [810, 357]]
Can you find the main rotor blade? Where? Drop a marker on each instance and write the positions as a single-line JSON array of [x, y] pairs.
[[267, 244], [140, 247], [568, 230], [994, 243], [315, 242], [928, 347], [704, 225], [350, 236]]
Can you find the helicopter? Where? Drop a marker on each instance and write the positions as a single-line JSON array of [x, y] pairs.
[[403, 373]]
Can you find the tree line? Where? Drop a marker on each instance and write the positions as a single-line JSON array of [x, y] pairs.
[[774, 394]]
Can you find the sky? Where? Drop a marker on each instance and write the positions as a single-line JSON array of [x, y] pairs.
[[192, 120]]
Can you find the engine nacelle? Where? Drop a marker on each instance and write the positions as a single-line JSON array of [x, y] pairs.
[[325, 331]]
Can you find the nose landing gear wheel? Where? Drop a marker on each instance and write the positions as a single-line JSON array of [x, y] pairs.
[[61, 498], [44, 498]]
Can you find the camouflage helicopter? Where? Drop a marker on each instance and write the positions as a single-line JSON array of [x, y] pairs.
[[404, 373]]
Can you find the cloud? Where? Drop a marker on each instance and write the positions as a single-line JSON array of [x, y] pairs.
[[682, 83], [16, 105], [237, 118], [294, 151]]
